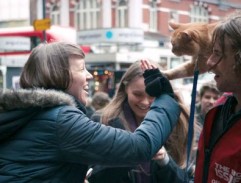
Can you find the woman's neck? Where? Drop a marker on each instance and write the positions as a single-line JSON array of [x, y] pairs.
[[138, 120]]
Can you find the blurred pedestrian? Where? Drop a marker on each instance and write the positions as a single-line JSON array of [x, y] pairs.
[[208, 95], [45, 134], [100, 100]]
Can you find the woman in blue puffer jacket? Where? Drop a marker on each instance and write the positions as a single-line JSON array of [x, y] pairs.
[[45, 134]]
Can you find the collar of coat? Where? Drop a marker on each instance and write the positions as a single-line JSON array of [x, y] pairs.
[[25, 98]]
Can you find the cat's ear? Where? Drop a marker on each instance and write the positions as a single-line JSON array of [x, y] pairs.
[[185, 36], [173, 25]]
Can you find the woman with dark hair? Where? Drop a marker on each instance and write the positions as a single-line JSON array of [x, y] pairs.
[[45, 134]]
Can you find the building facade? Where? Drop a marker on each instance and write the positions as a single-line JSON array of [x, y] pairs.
[[119, 32]]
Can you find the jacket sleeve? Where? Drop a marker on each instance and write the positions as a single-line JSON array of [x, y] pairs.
[[83, 141], [170, 172]]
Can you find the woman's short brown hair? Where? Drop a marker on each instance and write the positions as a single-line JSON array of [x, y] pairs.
[[48, 66]]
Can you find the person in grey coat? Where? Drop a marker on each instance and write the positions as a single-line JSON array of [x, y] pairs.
[[45, 134]]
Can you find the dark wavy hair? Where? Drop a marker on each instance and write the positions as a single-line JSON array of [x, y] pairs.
[[230, 27]]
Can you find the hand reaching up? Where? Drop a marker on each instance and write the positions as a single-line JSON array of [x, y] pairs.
[[156, 83]]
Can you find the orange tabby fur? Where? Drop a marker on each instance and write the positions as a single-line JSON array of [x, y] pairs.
[[193, 39]]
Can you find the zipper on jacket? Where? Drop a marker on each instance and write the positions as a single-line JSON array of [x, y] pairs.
[[207, 154]]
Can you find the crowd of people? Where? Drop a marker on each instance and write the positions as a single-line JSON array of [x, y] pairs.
[[138, 136]]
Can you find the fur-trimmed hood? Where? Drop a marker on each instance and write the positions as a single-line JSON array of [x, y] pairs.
[[22, 99], [17, 107]]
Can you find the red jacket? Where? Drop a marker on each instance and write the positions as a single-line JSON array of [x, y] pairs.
[[221, 162]]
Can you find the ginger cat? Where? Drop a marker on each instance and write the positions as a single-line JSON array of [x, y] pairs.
[[193, 39]]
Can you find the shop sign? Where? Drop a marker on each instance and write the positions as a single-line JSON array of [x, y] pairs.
[[116, 35], [42, 24]]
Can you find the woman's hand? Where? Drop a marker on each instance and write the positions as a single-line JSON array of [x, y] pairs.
[[161, 154], [156, 83], [145, 65], [161, 157]]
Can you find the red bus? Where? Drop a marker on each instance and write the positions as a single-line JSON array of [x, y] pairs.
[[20, 40], [16, 44]]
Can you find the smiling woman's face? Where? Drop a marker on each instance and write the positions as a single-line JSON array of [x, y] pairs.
[[138, 99], [79, 85]]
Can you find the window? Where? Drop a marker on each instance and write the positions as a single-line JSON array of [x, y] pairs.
[[174, 62], [174, 17], [35, 41], [153, 16], [122, 13], [87, 14], [55, 14], [199, 12], [163, 63]]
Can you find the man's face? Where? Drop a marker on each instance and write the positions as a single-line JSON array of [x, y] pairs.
[[222, 64], [207, 101]]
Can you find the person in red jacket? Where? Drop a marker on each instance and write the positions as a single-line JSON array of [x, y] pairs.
[[219, 149], [218, 158]]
